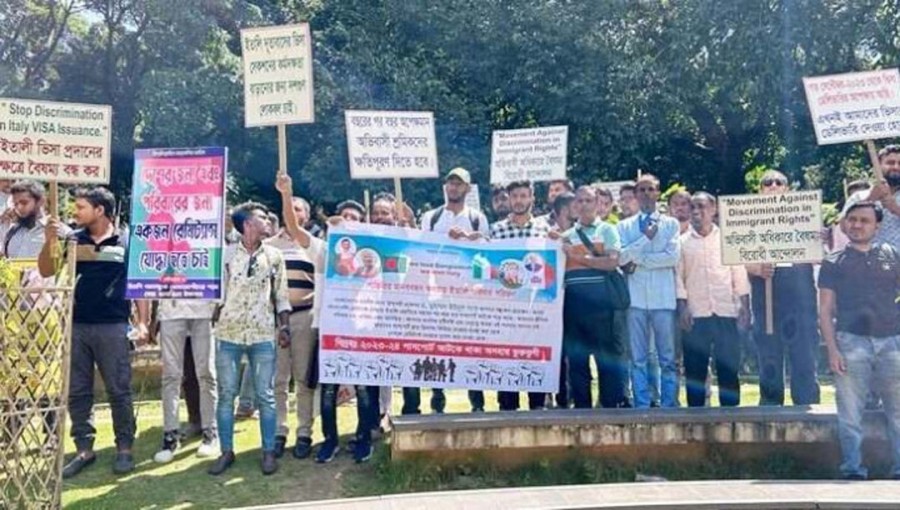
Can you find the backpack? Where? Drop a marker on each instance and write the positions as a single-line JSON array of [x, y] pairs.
[[474, 219]]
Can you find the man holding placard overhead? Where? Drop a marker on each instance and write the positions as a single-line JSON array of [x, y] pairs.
[[886, 192]]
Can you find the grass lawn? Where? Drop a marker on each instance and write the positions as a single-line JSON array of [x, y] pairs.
[[184, 483]]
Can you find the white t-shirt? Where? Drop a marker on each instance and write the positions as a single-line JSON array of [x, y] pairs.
[[448, 220], [178, 309]]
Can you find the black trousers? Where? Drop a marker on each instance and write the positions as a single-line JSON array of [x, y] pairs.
[[590, 332], [106, 347], [716, 336], [190, 386]]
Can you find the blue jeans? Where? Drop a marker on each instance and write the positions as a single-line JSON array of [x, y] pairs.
[[262, 368], [869, 360], [246, 398], [662, 324], [366, 412]]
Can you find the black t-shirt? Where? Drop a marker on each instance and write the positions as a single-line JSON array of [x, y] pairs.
[[101, 270], [866, 285]]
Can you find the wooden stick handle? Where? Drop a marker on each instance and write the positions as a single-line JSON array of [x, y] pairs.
[[282, 149], [53, 206], [873, 155], [398, 195]]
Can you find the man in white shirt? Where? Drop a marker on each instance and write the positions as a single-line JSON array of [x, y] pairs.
[[460, 222], [179, 320]]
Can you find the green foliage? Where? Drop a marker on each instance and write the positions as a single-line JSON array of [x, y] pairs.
[[699, 92]]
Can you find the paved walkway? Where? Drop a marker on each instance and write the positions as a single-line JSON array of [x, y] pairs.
[[743, 494]]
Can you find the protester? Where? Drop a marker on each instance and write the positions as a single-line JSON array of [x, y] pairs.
[[499, 202], [628, 202], [858, 286], [679, 204], [99, 326], [348, 211], [838, 239], [713, 301], [650, 242], [887, 193], [605, 203], [554, 189], [255, 291], [520, 224], [300, 250], [589, 330], [460, 222], [794, 320], [23, 237], [182, 322], [565, 208]]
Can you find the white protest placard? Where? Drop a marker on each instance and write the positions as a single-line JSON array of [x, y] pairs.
[[409, 308], [853, 107], [391, 144], [278, 75], [50, 141], [615, 187], [535, 154], [771, 229]]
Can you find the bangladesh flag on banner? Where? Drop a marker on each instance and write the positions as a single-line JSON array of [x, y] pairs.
[[397, 264]]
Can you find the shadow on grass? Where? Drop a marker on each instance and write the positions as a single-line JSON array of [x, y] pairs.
[[185, 480], [420, 475]]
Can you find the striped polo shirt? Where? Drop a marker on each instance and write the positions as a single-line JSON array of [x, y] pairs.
[[301, 270]]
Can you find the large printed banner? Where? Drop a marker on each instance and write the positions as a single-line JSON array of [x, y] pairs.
[[771, 229], [403, 307], [854, 107], [536, 154], [48, 141], [177, 209], [278, 75], [387, 144]]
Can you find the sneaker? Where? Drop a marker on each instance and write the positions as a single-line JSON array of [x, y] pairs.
[[303, 448], [222, 463], [269, 465], [124, 463], [854, 477], [280, 444], [362, 452], [78, 463], [327, 452], [209, 444], [169, 445]]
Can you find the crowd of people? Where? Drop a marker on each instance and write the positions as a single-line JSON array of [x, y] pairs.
[[686, 312]]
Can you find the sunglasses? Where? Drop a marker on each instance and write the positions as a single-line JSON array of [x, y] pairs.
[[773, 182]]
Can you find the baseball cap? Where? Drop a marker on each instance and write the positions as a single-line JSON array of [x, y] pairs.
[[460, 173]]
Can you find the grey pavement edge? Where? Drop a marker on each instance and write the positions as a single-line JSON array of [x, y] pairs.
[[721, 494]]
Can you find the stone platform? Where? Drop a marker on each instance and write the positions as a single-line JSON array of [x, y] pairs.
[[743, 494], [508, 439]]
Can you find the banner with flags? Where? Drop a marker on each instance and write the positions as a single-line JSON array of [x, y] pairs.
[[404, 307]]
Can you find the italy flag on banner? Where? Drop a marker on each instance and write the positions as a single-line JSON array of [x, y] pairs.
[[481, 268]]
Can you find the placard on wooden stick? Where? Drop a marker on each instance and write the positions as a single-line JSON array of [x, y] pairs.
[[855, 107], [278, 79]]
